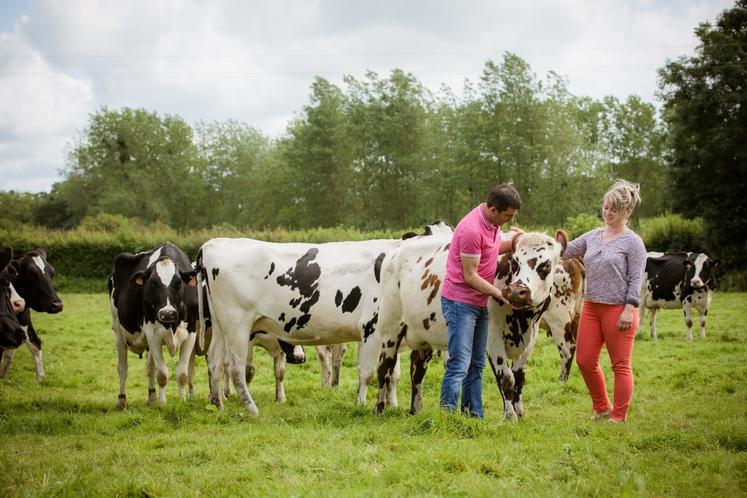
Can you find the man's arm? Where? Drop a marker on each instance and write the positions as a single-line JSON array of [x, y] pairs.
[[474, 280]]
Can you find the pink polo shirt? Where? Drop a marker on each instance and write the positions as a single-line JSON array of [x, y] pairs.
[[474, 237]]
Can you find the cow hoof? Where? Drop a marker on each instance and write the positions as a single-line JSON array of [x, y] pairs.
[[122, 404], [511, 417], [379, 408]]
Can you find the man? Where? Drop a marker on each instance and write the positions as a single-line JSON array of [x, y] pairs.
[[470, 269]]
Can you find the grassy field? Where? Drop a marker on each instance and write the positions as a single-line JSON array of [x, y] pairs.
[[686, 434]]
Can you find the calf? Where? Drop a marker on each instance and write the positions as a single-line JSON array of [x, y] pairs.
[[679, 280], [535, 279], [11, 333], [151, 295], [34, 285]]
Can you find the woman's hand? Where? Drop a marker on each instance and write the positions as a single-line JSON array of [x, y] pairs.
[[626, 318]]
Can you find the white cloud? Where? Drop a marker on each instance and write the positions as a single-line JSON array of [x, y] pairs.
[[254, 61]]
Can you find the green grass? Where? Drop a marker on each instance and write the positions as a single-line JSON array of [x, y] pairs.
[[686, 434]]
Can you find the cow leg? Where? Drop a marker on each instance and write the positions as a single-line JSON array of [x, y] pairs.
[[5, 362], [158, 362], [325, 362], [564, 336], [368, 353], [418, 367], [182, 367], [652, 322], [387, 364], [191, 373], [518, 369], [121, 369], [151, 371], [216, 359], [338, 352], [34, 343], [391, 390], [279, 360], [504, 377], [686, 308], [703, 312], [237, 352]]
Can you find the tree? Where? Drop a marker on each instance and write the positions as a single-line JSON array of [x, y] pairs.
[[137, 164], [705, 105]]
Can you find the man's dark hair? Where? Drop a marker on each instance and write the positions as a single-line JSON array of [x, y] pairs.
[[504, 196]]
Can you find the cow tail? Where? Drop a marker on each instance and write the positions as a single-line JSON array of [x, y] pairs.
[[200, 303]]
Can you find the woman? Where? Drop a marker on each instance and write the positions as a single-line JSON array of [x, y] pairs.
[[615, 258]]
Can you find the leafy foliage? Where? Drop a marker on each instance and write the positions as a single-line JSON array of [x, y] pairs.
[[706, 110]]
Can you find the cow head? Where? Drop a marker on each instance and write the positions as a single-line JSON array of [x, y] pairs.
[[531, 267], [34, 282], [11, 333], [699, 272], [293, 354], [164, 285]]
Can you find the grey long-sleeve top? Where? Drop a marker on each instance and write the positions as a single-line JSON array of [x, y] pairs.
[[614, 270]]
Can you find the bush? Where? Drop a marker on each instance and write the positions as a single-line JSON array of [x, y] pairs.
[[581, 223], [673, 233]]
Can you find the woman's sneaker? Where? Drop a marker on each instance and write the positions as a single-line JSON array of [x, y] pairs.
[[603, 415]]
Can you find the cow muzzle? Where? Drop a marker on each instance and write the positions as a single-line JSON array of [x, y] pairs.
[[518, 295], [55, 307], [12, 335], [296, 358], [168, 316]]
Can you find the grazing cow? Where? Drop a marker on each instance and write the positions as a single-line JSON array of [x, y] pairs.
[[153, 303], [313, 294], [280, 351], [679, 280], [34, 285], [11, 333], [539, 284]]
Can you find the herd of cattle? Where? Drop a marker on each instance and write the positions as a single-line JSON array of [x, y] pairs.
[[384, 294]]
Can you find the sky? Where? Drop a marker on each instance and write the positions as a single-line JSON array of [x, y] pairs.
[[253, 61]]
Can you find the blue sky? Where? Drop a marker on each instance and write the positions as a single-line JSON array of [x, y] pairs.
[[61, 60]]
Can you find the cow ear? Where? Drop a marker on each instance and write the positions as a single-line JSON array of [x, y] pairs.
[[515, 241], [189, 277], [138, 279], [42, 252], [687, 263], [715, 263], [562, 237]]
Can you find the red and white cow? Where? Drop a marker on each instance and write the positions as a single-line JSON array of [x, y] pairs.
[[536, 281], [153, 298], [679, 280]]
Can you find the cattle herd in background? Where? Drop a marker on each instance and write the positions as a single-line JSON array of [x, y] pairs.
[[384, 294]]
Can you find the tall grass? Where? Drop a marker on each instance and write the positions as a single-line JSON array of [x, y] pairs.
[[686, 436]]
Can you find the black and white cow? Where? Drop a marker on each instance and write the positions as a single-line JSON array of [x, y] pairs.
[[154, 304], [535, 279], [679, 280], [34, 285], [313, 294], [281, 353], [11, 333]]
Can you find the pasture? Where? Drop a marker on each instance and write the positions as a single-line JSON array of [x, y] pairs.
[[686, 434]]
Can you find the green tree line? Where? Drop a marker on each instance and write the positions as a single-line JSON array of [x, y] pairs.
[[384, 152]]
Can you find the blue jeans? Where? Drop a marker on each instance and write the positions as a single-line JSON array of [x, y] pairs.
[[468, 337]]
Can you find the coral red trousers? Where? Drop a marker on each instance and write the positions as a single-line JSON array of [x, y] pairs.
[[598, 327]]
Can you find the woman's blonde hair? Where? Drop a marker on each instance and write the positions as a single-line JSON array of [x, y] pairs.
[[623, 196]]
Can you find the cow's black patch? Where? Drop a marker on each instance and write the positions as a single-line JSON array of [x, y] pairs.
[[281, 317], [338, 298], [352, 300], [215, 272], [290, 324], [272, 269], [302, 321], [370, 326], [304, 276], [306, 306], [377, 266]]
